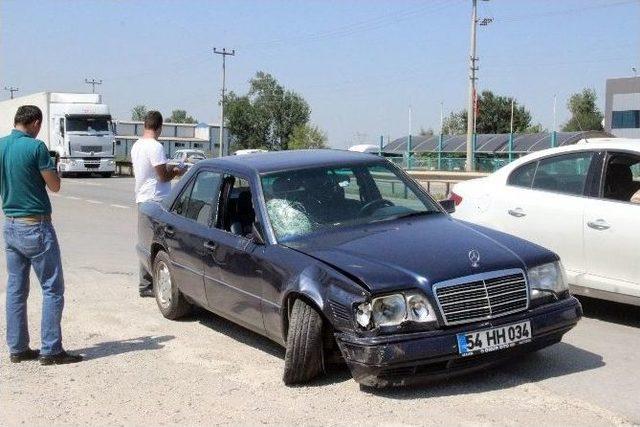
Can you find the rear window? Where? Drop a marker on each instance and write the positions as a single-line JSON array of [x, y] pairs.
[[563, 174], [523, 176]]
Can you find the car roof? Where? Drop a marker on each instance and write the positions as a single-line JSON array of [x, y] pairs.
[[591, 144], [276, 161]]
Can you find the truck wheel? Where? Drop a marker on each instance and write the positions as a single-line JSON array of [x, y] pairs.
[[171, 302], [106, 174], [303, 359]]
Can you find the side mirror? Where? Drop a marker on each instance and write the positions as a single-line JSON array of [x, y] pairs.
[[256, 233], [56, 156], [448, 205]]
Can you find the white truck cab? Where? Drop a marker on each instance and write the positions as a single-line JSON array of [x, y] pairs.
[[75, 125]]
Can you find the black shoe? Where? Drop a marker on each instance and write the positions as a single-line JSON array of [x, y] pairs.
[[24, 355], [147, 292], [62, 358]]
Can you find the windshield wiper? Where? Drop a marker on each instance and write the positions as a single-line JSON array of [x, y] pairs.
[[406, 215]]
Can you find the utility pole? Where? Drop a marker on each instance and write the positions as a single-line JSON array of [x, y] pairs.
[[555, 98], [471, 112], [11, 89], [224, 54], [512, 104], [93, 83], [441, 116]]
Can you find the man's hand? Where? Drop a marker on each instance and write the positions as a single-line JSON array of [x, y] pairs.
[[167, 172]]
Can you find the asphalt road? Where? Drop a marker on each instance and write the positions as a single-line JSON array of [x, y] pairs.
[[143, 369]]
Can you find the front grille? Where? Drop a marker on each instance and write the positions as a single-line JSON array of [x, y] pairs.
[[489, 296], [91, 148]]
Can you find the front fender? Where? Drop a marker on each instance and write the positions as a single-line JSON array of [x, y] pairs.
[[331, 293]]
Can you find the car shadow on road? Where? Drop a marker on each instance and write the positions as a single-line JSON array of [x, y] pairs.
[[237, 332], [113, 348], [555, 361], [609, 311]]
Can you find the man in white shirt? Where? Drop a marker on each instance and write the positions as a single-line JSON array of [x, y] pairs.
[[153, 176]]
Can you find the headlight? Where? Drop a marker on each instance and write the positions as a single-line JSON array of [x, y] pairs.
[[391, 310], [547, 278]]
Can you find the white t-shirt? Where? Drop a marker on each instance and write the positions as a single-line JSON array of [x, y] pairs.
[[146, 154]]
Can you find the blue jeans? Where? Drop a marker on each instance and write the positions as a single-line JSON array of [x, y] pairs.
[[27, 245]]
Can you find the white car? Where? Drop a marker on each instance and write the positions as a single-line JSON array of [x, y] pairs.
[[575, 200], [188, 157], [249, 151]]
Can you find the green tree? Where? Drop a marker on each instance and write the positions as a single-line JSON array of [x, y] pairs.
[[585, 114], [180, 116], [307, 136], [138, 112], [494, 116], [455, 123], [266, 116]]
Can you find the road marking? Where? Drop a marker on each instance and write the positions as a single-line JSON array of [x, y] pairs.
[[119, 206], [95, 202], [72, 198], [76, 181]]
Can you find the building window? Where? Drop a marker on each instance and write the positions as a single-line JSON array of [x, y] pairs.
[[629, 119]]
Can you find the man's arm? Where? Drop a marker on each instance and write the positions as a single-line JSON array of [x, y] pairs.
[[52, 179], [166, 174]]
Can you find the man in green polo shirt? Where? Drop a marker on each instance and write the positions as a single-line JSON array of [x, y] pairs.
[[26, 170]]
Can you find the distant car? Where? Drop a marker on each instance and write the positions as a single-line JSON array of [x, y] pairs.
[[575, 200], [188, 157], [340, 255], [249, 151]]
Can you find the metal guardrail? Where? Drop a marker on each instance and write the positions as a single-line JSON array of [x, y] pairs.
[[444, 179]]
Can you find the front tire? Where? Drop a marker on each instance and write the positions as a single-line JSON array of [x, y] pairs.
[[171, 302], [303, 359]]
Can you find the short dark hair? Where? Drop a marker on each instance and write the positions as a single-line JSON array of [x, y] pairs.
[[27, 114], [153, 120]]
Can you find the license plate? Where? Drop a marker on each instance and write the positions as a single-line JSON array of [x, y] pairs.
[[493, 339]]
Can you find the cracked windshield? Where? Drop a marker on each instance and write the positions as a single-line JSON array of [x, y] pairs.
[[305, 201]]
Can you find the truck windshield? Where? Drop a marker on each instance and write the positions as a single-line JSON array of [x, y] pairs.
[[305, 201], [87, 124]]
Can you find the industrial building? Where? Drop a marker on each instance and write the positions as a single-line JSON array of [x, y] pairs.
[[174, 136], [622, 107]]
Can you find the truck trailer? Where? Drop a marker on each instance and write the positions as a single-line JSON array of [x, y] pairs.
[[75, 125]]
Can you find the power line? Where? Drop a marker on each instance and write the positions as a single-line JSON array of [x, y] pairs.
[[93, 83], [11, 89], [224, 54]]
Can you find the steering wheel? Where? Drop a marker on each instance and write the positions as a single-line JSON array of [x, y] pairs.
[[374, 205]]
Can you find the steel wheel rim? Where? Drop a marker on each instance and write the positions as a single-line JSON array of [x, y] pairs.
[[164, 285]]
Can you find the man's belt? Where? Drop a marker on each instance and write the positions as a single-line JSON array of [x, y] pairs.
[[31, 219]]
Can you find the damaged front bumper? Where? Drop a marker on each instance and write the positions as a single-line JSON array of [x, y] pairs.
[[403, 359]]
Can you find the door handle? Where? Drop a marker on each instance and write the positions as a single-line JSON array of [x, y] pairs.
[[517, 212], [599, 224], [169, 230], [210, 246]]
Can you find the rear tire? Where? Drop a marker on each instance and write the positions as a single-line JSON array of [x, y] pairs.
[[171, 302], [303, 360]]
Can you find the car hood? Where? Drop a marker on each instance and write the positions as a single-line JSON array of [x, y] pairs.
[[418, 252]]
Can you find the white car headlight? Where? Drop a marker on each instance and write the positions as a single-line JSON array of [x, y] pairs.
[[547, 278], [391, 310]]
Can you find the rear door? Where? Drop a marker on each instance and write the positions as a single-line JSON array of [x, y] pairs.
[[544, 203], [612, 228], [188, 228]]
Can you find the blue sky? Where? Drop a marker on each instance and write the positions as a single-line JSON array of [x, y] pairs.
[[359, 63]]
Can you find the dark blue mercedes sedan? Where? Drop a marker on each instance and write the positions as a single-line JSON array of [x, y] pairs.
[[341, 256]]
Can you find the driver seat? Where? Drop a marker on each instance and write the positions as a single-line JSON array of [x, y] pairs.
[[244, 215]]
